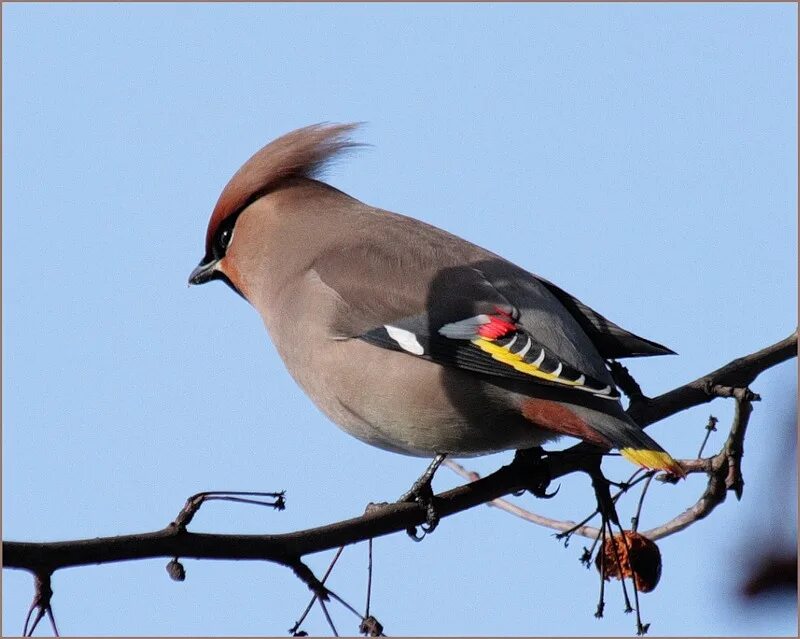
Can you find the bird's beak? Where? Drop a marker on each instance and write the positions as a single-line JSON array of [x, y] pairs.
[[203, 272]]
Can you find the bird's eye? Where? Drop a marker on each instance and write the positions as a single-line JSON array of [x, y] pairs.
[[225, 238]]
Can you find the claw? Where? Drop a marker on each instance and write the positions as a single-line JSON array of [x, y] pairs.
[[530, 462], [424, 499], [431, 516], [411, 531], [540, 491], [421, 493]]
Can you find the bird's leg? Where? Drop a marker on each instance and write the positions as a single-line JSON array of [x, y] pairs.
[[422, 494], [424, 481]]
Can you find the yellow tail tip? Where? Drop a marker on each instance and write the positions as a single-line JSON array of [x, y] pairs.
[[653, 460]]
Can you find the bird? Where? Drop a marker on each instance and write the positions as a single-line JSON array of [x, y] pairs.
[[407, 337]]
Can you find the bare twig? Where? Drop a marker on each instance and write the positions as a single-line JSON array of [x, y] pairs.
[[522, 513], [194, 502], [710, 428], [638, 514], [724, 474], [369, 578], [601, 602], [328, 617], [739, 373], [723, 469], [296, 627], [41, 605]]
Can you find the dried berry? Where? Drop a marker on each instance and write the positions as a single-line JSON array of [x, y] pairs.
[[638, 556]]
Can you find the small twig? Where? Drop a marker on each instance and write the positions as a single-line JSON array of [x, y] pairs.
[[522, 513], [724, 474], [618, 562], [328, 617], [579, 529], [710, 428], [565, 528], [628, 483], [728, 458], [593, 533], [369, 577], [310, 605], [601, 604], [588, 553], [42, 598], [641, 629], [346, 605], [635, 518], [294, 630], [588, 531], [739, 373], [194, 502]]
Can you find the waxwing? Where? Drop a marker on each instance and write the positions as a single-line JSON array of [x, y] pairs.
[[410, 338]]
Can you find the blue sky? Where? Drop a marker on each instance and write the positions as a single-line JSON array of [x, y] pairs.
[[643, 157]]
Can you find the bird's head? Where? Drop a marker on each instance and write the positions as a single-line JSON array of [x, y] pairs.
[[235, 236]]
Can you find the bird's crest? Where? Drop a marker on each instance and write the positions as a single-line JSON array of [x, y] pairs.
[[302, 153]]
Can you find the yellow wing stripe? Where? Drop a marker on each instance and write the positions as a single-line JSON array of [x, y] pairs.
[[653, 460], [514, 360]]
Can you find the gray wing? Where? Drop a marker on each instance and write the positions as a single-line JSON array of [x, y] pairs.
[[485, 315], [612, 341]]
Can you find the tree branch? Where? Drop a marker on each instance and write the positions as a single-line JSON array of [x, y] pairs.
[[287, 549], [175, 541], [724, 473], [723, 469], [739, 373]]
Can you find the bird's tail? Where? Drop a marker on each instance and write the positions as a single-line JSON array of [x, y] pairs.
[[613, 428], [636, 445], [653, 460]]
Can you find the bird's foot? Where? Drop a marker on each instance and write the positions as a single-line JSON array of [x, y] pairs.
[[530, 464], [421, 493], [425, 499]]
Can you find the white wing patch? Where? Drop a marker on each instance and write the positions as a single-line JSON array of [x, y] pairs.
[[405, 339], [497, 336]]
